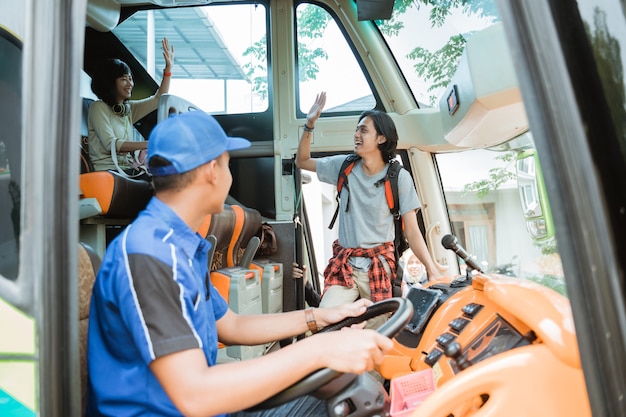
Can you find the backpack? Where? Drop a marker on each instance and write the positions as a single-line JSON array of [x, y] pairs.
[[391, 194]]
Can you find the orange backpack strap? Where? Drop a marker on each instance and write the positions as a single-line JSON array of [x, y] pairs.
[[391, 187], [346, 169], [393, 201]]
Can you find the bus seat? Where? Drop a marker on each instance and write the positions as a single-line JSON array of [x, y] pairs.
[[203, 230], [118, 197], [170, 104], [244, 249], [88, 265], [239, 286], [221, 226], [244, 242]]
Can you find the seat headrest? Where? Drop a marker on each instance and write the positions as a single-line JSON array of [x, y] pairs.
[[222, 227]]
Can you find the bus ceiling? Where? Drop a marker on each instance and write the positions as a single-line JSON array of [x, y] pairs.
[[104, 15]]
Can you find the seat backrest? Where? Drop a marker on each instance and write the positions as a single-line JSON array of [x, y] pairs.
[[119, 197], [245, 243], [222, 227], [88, 265]]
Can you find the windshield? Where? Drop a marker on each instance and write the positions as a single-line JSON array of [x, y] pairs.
[[442, 29], [494, 214], [488, 203]]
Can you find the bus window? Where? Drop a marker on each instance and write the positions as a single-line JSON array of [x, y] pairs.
[[10, 153], [429, 67], [219, 66], [488, 219], [326, 63]]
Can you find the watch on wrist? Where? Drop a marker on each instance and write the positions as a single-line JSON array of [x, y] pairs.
[[310, 320]]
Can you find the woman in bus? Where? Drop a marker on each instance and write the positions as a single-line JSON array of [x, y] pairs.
[[111, 118], [413, 272]]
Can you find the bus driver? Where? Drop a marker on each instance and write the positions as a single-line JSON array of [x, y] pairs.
[[156, 319]]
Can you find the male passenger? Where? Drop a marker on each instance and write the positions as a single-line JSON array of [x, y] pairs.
[[363, 255], [156, 318]]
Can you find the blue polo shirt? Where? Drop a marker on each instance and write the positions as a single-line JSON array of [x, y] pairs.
[[152, 297]]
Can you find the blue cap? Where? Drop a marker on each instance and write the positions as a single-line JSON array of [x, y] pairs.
[[189, 140]]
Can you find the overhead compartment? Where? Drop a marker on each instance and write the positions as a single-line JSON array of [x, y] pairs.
[[483, 105]]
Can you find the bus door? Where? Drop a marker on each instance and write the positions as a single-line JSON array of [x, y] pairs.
[[40, 60]]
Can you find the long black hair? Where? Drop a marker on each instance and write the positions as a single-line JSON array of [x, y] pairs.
[[384, 125], [103, 82]]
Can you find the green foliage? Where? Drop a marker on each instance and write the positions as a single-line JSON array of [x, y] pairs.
[[438, 66], [312, 22], [307, 65], [257, 72], [393, 26], [547, 247], [497, 177], [441, 9]]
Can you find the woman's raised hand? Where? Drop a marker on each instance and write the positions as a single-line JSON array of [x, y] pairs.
[[168, 54]]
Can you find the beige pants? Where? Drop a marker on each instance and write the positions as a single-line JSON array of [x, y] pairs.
[[338, 294]]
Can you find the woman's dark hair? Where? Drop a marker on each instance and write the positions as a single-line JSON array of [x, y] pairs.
[[103, 80], [385, 126]]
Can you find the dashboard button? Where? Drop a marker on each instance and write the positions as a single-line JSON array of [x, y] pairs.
[[445, 339], [472, 309], [458, 324], [433, 357]]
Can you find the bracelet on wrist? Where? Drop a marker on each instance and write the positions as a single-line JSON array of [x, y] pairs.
[[307, 128], [310, 320], [167, 73]]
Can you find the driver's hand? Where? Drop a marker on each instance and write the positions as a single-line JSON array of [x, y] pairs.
[[331, 315], [351, 350]]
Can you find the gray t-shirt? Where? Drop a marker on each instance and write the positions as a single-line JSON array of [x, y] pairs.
[[368, 222]]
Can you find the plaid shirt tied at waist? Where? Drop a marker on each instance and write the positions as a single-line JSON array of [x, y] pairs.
[[339, 271]]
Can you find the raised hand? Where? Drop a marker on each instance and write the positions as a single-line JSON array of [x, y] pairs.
[[168, 54], [316, 109]]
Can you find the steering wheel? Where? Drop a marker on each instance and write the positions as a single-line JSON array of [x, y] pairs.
[[403, 312]]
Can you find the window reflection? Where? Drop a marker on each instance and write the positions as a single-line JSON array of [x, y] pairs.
[[10, 153], [606, 29]]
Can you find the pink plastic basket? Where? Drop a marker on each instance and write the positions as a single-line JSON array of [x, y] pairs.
[[408, 392]]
